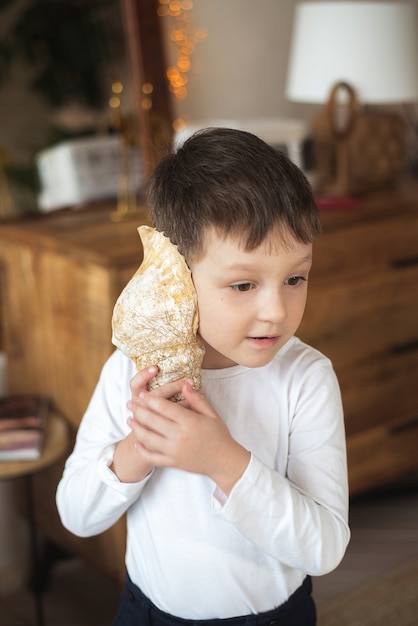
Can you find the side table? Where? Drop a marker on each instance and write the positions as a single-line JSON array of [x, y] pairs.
[[56, 444]]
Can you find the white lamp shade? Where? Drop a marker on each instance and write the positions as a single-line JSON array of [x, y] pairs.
[[370, 45]]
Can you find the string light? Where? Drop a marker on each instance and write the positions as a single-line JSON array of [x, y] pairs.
[[146, 101], [185, 36], [114, 100]]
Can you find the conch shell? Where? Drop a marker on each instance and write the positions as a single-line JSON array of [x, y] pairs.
[[155, 318]]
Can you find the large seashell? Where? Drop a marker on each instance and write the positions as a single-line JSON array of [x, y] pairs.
[[155, 318]]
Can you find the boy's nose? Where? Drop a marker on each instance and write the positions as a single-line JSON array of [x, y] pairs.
[[273, 309]]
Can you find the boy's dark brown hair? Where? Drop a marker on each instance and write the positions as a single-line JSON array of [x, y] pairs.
[[235, 182]]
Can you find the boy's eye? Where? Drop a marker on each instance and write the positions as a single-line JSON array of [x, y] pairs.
[[294, 280], [242, 286]]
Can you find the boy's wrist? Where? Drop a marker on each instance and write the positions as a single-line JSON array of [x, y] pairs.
[[232, 469], [126, 464]]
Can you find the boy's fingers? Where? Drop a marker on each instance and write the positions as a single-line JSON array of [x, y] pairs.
[[169, 389], [141, 378], [195, 399]]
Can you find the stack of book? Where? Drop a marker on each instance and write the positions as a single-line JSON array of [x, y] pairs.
[[22, 427]]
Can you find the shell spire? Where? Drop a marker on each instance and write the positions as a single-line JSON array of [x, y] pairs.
[[155, 319]]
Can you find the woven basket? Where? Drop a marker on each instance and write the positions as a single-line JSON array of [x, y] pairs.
[[375, 152]]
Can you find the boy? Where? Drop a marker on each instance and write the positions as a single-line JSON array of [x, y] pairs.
[[238, 494]]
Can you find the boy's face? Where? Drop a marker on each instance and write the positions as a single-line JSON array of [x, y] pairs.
[[250, 303]]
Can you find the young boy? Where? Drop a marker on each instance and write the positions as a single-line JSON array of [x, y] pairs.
[[236, 495]]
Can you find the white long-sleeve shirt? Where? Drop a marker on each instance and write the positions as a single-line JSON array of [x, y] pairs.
[[194, 552]]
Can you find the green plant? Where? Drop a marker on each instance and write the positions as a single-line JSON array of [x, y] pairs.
[[68, 46]]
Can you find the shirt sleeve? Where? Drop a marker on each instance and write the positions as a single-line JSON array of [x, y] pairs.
[[90, 498], [301, 517]]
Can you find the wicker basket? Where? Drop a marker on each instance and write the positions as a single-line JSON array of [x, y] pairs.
[[375, 152]]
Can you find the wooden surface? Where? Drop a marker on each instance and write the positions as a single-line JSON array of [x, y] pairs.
[[362, 313], [61, 275]]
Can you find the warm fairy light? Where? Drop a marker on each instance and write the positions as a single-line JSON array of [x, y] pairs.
[[180, 123], [175, 7], [146, 103], [185, 36], [114, 102], [147, 88], [117, 87]]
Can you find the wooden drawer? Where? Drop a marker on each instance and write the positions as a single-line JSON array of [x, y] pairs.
[[362, 312], [366, 247], [368, 316], [378, 390], [378, 455]]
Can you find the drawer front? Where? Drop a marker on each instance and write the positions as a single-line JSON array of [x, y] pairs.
[[388, 243], [376, 456], [377, 390], [353, 320]]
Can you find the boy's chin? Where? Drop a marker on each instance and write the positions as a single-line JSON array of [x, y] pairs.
[[262, 357]]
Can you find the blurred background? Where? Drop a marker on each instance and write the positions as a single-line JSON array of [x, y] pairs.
[[58, 63]]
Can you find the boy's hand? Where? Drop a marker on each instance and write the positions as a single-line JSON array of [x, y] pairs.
[[188, 435], [139, 383], [127, 464]]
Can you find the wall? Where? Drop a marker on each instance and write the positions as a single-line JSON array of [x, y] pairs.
[[243, 62]]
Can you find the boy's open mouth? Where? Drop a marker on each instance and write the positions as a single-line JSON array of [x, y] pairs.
[[266, 341]]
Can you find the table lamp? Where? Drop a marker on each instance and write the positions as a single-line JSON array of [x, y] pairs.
[[344, 54]]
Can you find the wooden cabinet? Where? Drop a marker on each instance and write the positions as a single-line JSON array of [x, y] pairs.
[[60, 277], [363, 313], [62, 273]]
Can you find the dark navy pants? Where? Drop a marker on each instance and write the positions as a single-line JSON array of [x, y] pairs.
[[136, 610]]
